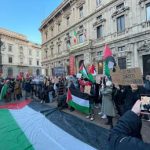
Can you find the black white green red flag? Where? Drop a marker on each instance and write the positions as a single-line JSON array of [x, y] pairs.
[[22, 128], [78, 100]]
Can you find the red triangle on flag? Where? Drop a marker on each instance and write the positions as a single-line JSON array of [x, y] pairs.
[[107, 52], [69, 96], [92, 69]]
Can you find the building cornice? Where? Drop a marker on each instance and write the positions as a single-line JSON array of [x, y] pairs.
[[17, 36], [13, 34], [55, 12], [81, 21]]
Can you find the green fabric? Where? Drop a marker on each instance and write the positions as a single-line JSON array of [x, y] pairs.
[[80, 108], [3, 91], [84, 74], [11, 136], [75, 33], [106, 69], [91, 78]]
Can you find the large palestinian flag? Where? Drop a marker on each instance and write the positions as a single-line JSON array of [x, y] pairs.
[[78, 100], [22, 128]]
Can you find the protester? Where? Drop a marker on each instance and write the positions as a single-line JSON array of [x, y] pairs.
[[3, 95], [46, 91], [126, 135], [51, 91], [17, 90], [117, 96], [130, 96], [27, 88], [61, 93], [147, 83], [107, 103]]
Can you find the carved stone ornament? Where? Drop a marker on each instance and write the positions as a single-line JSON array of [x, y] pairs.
[[141, 1], [67, 38], [59, 20], [80, 3], [80, 31], [59, 42], [117, 12], [52, 45], [99, 22], [67, 14], [145, 47], [51, 27]]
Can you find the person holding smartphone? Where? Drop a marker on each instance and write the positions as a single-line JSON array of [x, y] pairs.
[[126, 135]]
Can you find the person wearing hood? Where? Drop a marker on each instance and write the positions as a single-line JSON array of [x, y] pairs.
[[108, 107]]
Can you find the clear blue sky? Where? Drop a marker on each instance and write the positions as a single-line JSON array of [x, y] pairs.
[[25, 16]]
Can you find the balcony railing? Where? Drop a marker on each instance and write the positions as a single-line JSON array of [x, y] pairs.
[[80, 45]]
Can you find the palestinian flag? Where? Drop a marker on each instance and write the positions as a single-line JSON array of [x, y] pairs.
[[75, 37], [22, 128], [109, 61], [3, 91], [78, 100], [92, 74], [83, 71]]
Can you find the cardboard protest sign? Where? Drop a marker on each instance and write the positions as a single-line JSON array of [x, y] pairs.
[[132, 76], [127, 76], [117, 78]]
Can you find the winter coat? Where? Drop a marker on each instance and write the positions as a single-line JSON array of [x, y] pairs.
[[108, 107], [147, 85], [28, 86], [126, 134], [130, 97], [61, 88]]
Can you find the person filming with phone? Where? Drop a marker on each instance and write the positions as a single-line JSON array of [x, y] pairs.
[[126, 135]]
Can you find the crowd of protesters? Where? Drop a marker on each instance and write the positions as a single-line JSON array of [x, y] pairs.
[[111, 97]]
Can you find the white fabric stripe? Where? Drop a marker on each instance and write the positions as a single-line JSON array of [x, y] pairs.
[[84, 71], [43, 134], [80, 101]]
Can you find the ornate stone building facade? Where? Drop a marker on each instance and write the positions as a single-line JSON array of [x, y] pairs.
[[80, 28], [19, 55]]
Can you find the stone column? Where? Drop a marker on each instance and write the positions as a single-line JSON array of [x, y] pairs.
[[136, 58]]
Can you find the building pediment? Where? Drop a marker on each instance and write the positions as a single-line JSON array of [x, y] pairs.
[[67, 14], [80, 3], [99, 22], [144, 48], [119, 11]]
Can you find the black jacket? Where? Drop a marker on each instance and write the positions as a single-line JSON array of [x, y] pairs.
[[131, 97], [126, 134]]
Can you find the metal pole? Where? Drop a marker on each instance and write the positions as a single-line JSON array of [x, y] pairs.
[[1, 68]]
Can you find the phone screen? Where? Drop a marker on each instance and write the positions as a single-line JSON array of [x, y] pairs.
[[145, 105]]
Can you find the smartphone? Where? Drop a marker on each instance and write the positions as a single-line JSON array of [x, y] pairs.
[[145, 105]]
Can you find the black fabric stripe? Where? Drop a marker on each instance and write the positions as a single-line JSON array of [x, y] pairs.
[[85, 131], [79, 94]]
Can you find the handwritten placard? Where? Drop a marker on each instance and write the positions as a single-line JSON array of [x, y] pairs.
[[127, 76]]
